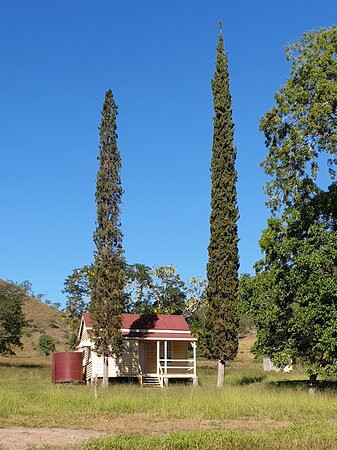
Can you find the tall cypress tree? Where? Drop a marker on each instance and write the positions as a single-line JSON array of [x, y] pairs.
[[223, 260], [107, 299]]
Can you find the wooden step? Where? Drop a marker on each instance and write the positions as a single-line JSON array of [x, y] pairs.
[[151, 382]]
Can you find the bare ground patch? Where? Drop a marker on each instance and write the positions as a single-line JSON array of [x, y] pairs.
[[19, 438]]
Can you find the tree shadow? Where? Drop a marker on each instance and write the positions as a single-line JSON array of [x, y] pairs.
[[22, 365], [124, 381], [250, 380], [320, 385], [144, 322]]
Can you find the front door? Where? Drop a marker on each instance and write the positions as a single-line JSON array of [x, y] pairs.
[[151, 356]]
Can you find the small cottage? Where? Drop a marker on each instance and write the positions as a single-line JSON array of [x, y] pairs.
[[157, 348]]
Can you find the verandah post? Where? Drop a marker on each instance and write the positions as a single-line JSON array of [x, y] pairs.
[[195, 378], [165, 356], [194, 345], [158, 356]]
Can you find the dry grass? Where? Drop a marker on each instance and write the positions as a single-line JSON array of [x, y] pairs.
[[43, 319], [27, 398], [244, 357], [254, 410]]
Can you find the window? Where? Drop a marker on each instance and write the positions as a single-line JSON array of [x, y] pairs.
[[162, 350]]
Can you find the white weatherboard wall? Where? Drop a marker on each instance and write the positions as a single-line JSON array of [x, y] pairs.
[[126, 365]]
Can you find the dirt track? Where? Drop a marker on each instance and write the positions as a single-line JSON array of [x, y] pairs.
[[19, 438]]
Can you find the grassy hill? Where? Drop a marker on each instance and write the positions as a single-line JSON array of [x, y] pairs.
[[43, 319]]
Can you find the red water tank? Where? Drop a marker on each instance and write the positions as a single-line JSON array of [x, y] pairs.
[[67, 366]]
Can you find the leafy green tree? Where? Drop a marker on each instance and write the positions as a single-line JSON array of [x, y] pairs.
[[168, 291], [139, 288], [195, 296], [77, 290], [107, 286], [12, 320], [303, 123], [147, 290], [46, 344], [293, 296], [26, 286], [72, 342], [246, 322], [223, 260], [156, 290], [195, 311]]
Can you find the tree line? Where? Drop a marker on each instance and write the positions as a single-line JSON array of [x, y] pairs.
[[148, 290]]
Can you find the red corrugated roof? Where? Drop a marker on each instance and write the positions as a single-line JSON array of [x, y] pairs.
[[87, 320], [148, 322]]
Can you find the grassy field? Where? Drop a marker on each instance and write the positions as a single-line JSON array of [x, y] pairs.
[[252, 411]]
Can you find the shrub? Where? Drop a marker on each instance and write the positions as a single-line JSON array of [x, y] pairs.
[[46, 344]]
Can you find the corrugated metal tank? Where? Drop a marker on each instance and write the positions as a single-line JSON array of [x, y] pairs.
[[67, 367]]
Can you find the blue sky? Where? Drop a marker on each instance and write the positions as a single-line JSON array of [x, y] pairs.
[[57, 60]]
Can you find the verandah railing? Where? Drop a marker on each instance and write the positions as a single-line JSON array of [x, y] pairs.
[[169, 366]]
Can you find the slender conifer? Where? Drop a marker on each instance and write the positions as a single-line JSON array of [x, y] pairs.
[[108, 282], [223, 260]]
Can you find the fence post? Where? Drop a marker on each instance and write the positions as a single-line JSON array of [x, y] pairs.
[[95, 387]]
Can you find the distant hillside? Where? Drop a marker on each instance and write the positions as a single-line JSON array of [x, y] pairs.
[[43, 319]]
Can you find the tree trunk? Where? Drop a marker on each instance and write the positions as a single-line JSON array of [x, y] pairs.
[[105, 383], [221, 373], [313, 379], [312, 383]]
